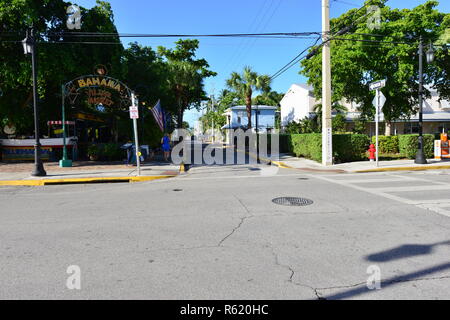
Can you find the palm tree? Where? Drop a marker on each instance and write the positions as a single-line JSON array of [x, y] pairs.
[[247, 83]]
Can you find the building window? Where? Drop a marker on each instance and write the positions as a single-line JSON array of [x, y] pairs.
[[411, 128], [443, 128]]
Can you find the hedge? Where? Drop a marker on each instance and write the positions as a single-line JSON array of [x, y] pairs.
[[308, 145], [387, 144], [409, 143], [353, 147], [346, 147]]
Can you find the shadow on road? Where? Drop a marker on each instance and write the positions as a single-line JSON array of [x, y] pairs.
[[401, 252], [413, 276], [405, 251]]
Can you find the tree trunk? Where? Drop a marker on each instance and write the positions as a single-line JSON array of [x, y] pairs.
[[180, 119], [248, 102], [388, 128]]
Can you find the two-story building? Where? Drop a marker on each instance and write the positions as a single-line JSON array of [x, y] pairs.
[[299, 102]]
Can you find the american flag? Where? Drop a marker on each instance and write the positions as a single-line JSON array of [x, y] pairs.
[[159, 115]]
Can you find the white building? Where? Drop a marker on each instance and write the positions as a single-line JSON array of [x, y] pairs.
[[298, 104]]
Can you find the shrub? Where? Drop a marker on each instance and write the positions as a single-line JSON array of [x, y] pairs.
[[307, 145], [409, 143], [350, 147], [338, 123], [387, 144], [347, 147], [111, 152], [105, 152]]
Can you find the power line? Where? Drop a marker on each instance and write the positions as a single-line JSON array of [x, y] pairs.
[[293, 62], [139, 35], [263, 26]]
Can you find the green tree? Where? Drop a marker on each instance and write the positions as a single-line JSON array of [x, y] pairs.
[[271, 98], [338, 123], [356, 63], [338, 108], [61, 57], [185, 76], [144, 72], [247, 83]]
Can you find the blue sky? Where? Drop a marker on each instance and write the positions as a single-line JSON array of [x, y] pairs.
[[266, 56]]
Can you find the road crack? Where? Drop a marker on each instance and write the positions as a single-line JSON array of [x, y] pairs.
[[234, 230]]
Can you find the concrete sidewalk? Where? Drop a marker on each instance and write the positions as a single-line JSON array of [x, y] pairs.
[[290, 161], [84, 172]]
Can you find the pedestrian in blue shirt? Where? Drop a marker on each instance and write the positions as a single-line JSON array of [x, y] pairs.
[[165, 142]]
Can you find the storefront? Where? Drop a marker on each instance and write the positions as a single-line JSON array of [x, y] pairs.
[[16, 150]]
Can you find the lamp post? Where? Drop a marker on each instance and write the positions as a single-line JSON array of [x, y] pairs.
[[29, 47], [420, 156], [65, 162]]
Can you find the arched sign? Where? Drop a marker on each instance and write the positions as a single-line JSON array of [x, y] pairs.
[[100, 89]]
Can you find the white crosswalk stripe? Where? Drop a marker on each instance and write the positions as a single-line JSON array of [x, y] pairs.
[[398, 193]]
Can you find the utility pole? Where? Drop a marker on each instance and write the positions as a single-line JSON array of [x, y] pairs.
[[420, 156], [327, 134], [213, 110]]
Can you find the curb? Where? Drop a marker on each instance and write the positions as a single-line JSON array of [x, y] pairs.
[[404, 169], [46, 182]]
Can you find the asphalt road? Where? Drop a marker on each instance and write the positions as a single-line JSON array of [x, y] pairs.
[[216, 234]]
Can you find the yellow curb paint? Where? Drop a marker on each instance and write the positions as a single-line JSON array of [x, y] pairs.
[[282, 165], [44, 182], [25, 183], [404, 169]]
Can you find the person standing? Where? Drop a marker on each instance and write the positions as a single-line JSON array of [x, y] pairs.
[[165, 142]]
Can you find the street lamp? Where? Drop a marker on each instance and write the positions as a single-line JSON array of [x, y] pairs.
[[29, 48]]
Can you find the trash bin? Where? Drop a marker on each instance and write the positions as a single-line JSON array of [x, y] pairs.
[[145, 150]]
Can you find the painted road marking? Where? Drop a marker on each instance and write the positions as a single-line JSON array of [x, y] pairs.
[[438, 206]]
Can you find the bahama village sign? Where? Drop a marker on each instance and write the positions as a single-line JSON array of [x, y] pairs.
[[99, 89]]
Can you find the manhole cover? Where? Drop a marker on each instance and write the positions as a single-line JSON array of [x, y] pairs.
[[291, 201], [303, 179], [177, 190]]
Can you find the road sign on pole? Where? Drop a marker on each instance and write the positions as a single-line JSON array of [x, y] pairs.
[[381, 100], [377, 85], [378, 102], [134, 114]]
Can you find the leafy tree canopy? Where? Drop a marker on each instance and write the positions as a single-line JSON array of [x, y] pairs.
[[355, 63]]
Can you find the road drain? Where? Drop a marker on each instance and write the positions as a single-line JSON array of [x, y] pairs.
[[292, 201]]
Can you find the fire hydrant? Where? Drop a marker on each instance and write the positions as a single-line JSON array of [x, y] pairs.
[[372, 150]]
